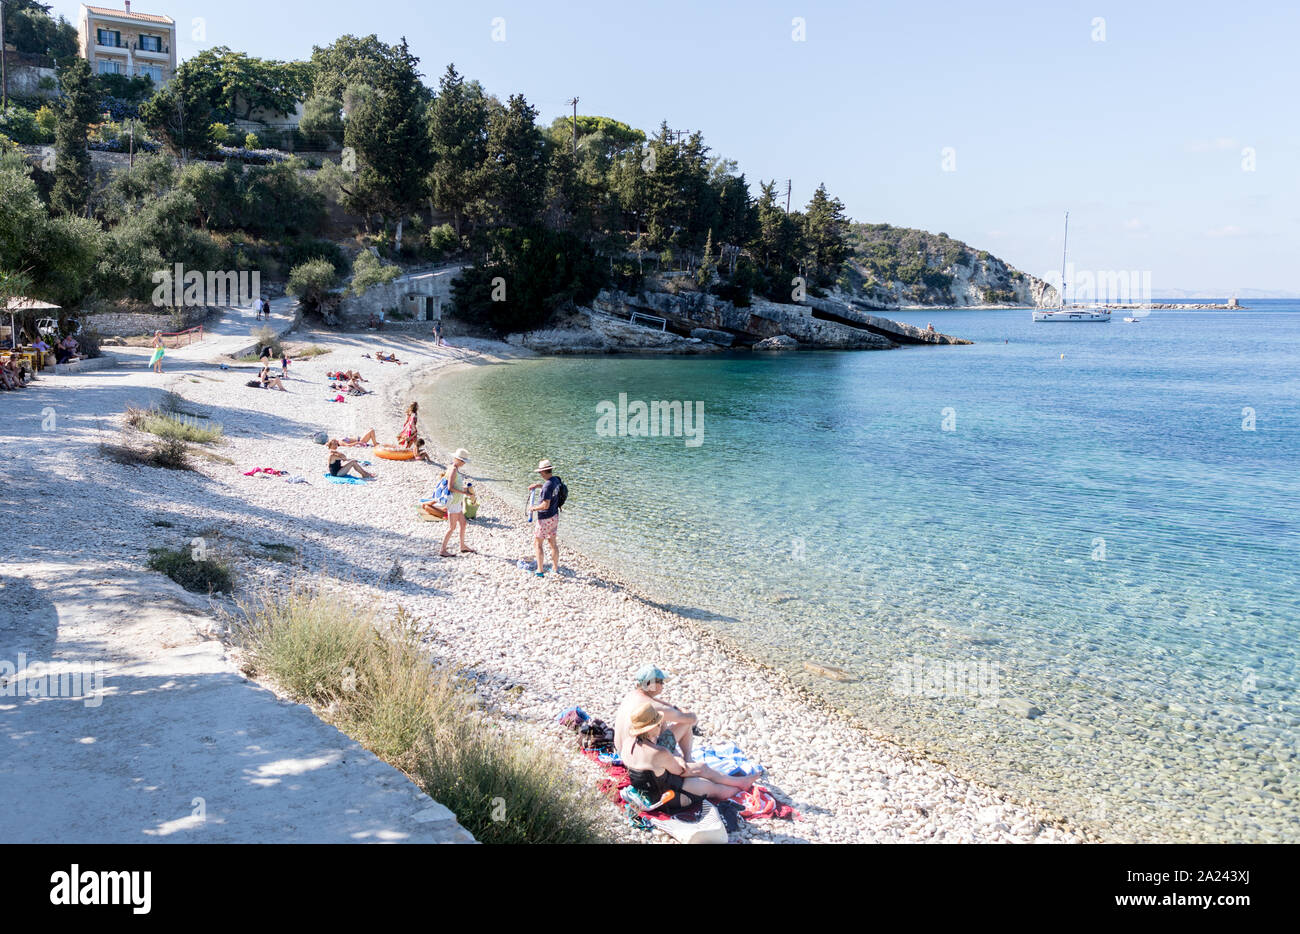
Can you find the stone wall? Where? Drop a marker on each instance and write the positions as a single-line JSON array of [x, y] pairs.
[[130, 324]]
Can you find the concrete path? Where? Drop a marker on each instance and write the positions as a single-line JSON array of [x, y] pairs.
[[163, 739]]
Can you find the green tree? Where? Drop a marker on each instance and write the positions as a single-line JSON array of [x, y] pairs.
[[349, 61], [55, 256], [514, 177], [311, 282], [825, 236], [236, 85], [458, 119], [388, 135], [180, 114], [322, 123], [72, 160], [526, 276], [30, 28]]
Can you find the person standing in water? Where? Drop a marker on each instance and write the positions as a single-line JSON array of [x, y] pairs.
[[158, 353], [459, 488]]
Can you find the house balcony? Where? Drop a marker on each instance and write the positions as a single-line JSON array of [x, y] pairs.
[[101, 49], [162, 54]]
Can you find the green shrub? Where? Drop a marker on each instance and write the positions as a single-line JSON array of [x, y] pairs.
[[20, 125], [193, 570], [172, 425], [46, 118], [311, 281], [379, 686], [221, 134], [369, 271], [251, 141], [443, 240]]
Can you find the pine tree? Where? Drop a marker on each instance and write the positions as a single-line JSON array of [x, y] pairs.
[[71, 192], [458, 121], [389, 135], [825, 235]]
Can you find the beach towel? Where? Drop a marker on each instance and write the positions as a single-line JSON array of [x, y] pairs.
[[728, 760], [758, 803], [295, 479], [333, 479], [265, 471], [573, 717], [336, 399]]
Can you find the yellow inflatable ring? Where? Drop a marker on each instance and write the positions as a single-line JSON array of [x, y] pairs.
[[394, 454]]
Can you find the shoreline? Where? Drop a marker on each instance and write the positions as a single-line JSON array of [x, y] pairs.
[[532, 647], [428, 376]]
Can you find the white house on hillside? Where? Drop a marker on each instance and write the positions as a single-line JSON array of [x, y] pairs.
[[127, 43]]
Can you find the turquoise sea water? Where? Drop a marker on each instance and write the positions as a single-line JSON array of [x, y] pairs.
[[1100, 519]]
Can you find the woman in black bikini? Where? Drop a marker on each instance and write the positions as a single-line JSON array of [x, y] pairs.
[[340, 465], [653, 770]]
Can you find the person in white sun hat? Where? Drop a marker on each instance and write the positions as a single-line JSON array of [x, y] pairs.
[[459, 488], [547, 510]]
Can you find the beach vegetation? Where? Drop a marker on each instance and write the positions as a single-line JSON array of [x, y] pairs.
[[173, 425], [311, 282], [368, 271], [197, 572], [375, 681]]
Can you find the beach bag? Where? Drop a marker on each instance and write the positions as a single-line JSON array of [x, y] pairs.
[[561, 495], [471, 508], [442, 492], [596, 735]]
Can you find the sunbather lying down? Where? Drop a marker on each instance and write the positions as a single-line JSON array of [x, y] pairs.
[[367, 438], [674, 735], [386, 358]]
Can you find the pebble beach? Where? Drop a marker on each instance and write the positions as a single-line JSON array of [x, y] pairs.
[[532, 646]]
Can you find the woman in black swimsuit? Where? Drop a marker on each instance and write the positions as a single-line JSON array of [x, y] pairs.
[[341, 466], [653, 770]]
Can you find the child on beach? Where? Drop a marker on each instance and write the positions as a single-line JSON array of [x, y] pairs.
[[284, 364], [340, 465], [456, 504], [158, 352]]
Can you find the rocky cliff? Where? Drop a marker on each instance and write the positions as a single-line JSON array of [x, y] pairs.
[[895, 266], [696, 322]]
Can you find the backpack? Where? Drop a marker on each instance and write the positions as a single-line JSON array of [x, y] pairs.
[[595, 735], [561, 495]]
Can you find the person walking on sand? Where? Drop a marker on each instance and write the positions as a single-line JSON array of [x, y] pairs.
[[158, 352], [257, 307], [437, 333], [459, 488], [547, 528]]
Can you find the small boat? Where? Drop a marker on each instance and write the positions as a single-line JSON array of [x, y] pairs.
[[1131, 320], [1063, 312]]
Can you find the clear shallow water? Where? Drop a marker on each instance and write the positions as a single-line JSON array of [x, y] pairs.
[[1096, 534]]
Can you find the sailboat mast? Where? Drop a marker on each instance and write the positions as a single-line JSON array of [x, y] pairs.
[[1064, 241]]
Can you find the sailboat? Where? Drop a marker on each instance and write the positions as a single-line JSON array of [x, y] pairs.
[[1062, 312]]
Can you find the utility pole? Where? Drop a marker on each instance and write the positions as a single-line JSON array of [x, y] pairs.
[[4, 61], [574, 102], [787, 194], [131, 165]]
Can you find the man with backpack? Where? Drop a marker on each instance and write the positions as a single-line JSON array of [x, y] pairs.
[[547, 513]]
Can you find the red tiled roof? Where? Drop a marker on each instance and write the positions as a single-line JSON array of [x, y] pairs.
[[147, 17]]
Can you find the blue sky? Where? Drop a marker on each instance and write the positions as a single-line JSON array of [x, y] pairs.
[[1140, 136]]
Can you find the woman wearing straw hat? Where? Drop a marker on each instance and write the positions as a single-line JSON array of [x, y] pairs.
[[460, 488], [653, 770], [547, 528]]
